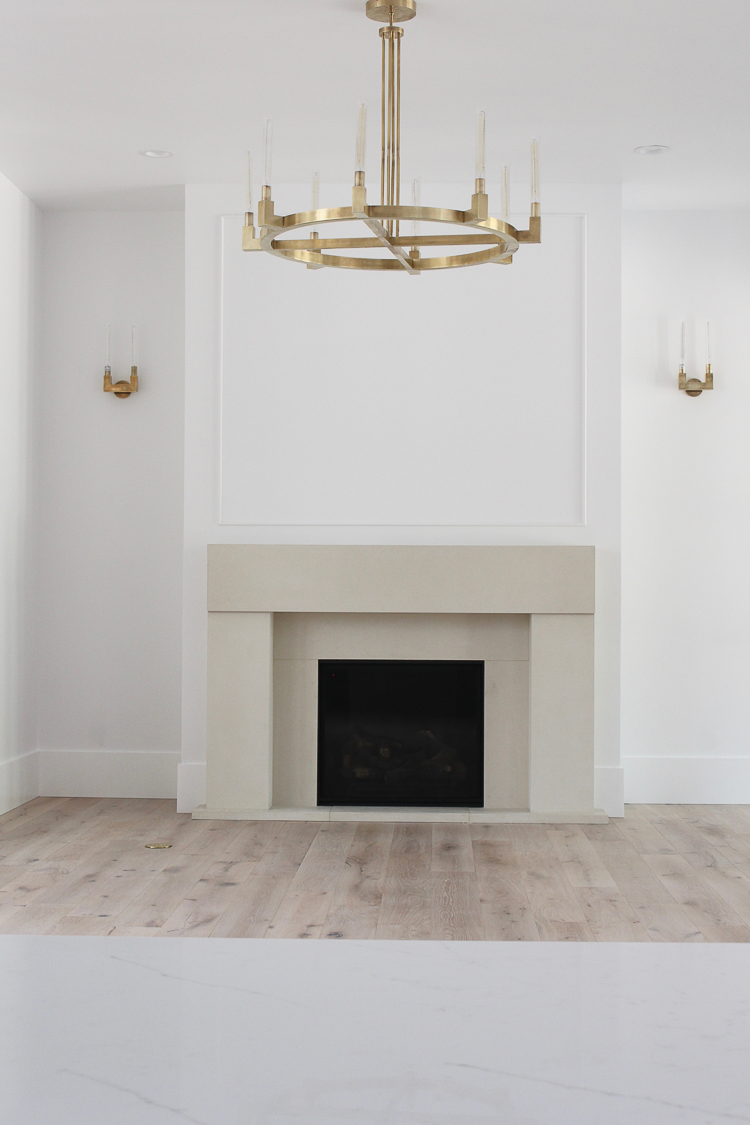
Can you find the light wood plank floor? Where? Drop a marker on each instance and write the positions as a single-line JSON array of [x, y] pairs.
[[663, 873]]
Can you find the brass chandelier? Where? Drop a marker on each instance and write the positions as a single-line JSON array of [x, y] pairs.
[[480, 239]]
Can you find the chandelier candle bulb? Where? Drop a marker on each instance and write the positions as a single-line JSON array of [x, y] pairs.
[[315, 191], [361, 139], [109, 347], [506, 193], [132, 345], [708, 343], [535, 176], [267, 151], [480, 147], [249, 185]]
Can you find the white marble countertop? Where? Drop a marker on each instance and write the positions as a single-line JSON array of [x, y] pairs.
[[108, 1031]]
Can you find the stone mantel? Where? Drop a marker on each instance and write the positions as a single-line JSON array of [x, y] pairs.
[[553, 587], [301, 579]]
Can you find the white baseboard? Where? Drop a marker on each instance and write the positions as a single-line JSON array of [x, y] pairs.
[[108, 773], [609, 785], [19, 781], [687, 781], [191, 786]]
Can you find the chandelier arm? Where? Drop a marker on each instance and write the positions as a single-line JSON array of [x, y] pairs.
[[381, 233]]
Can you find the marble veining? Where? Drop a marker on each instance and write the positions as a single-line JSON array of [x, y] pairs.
[[242, 1032]]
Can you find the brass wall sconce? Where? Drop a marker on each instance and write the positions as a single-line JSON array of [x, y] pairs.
[[123, 388], [694, 387]]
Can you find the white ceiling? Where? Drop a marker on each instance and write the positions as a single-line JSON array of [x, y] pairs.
[[85, 84]]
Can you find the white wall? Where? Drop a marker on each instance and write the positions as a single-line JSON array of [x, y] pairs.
[[686, 511], [18, 238], [110, 506], [209, 338]]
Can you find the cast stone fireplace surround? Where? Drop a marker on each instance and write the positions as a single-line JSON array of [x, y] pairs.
[[527, 612]]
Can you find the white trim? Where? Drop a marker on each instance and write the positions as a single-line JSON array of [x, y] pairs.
[[191, 786], [108, 773], [609, 784], [19, 781], [687, 781]]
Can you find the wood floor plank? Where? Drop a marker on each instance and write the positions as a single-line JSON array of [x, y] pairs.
[[411, 850], [356, 903], [32, 920], [686, 838], [151, 907], [406, 907], [727, 882], [134, 870], [83, 879], [504, 904], [252, 909], [32, 841], [700, 903], [27, 881], [287, 848], [24, 814], [456, 913], [214, 841], [640, 834], [633, 876], [201, 910], [668, 922], [609, 915], [70, 926], [451, 849], [578, 857], [304, 908], [253, 841]]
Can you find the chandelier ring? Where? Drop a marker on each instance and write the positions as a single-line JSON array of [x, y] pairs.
[[499, 238]]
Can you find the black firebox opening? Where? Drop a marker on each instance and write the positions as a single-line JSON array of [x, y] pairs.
[[401, 732]]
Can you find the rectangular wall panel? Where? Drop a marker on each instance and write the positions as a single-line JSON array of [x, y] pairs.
[[361, 398]]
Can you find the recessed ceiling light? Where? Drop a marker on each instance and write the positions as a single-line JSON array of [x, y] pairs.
[[156, 153], [652, 150]]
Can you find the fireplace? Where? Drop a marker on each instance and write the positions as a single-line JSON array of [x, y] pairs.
[[400, 733], [524, 615]]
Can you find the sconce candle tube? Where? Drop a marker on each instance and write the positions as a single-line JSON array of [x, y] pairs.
[[109, 346], [682, 346], [132, 345], [267, 150], [708, 343], [535, 172]]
